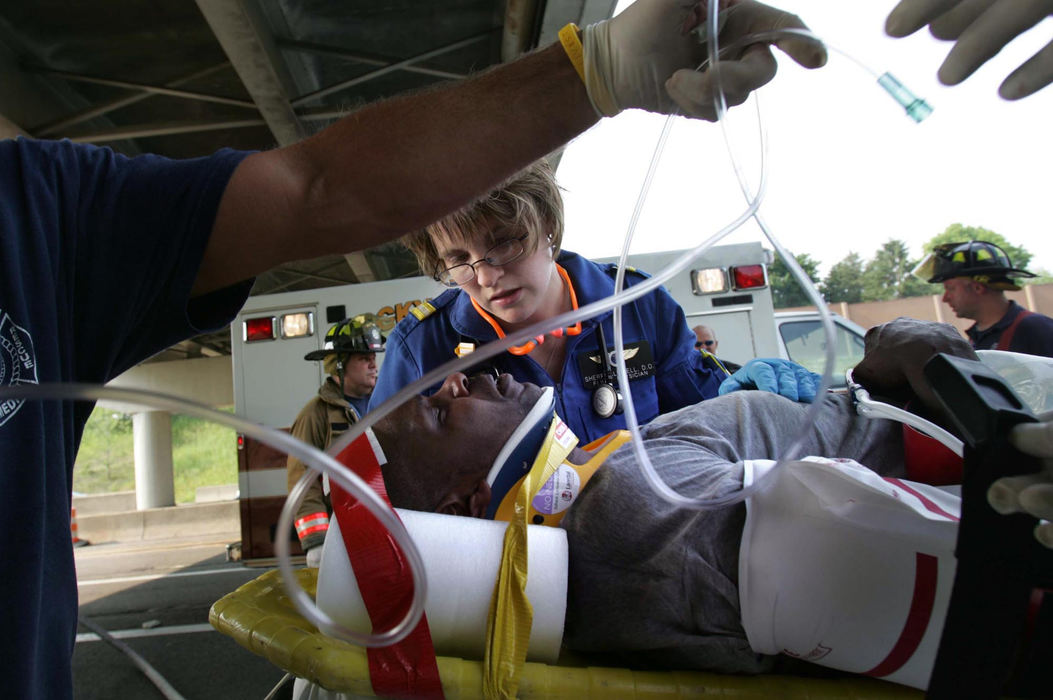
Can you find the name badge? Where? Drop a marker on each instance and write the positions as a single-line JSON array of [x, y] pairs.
[[639, 364]]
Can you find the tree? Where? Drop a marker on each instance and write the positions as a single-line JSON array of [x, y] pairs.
[[888, 275], [844, 282], [785, 289], [957, 233]]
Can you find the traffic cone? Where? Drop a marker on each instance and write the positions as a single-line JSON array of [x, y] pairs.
[[77, 541]]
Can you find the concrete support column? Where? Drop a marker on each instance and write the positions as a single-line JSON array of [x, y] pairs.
[[154, 483]]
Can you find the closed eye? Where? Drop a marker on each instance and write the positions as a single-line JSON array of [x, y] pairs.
[[453, 257]]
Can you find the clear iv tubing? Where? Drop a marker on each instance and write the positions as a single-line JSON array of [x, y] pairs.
[[324, 462], [621, 296], [811, 416], [615, 301], [306, 453]]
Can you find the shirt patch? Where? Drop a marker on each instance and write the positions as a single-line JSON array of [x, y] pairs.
[[639, 364], [18, 362], [423, 310]]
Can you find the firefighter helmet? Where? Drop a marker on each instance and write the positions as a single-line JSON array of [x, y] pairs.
[[982, 261], [358, 334]]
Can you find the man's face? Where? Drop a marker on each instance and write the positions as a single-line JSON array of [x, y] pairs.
[[705, 340], [453, 436], [360, 374], [963, 296]]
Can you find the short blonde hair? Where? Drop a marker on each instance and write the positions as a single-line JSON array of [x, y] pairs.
[[529, 200]]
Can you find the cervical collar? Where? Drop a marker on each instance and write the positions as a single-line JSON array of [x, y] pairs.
[[516, 457]]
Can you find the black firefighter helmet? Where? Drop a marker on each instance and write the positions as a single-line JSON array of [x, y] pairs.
[[981, 261], [358, 334]]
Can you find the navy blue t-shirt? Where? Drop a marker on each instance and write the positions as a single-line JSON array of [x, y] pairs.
[[1033, 335], [359, 403], [98, 254]]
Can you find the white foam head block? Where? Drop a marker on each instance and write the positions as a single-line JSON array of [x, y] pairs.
[[461, 560]]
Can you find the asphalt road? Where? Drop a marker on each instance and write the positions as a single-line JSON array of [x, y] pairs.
[[155, 597]]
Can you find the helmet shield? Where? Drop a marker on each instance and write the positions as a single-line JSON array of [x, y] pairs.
[[359, 334], [980, 260]]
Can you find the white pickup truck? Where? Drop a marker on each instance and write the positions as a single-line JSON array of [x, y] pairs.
[[802, 340]]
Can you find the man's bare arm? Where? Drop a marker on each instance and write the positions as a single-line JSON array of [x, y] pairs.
[[400, 164], [393, 166]]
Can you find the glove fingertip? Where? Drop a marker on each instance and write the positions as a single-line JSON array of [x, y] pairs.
[[1044, 534], [1038, 500], [1002, 498]]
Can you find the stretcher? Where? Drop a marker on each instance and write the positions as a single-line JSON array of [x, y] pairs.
[[261, 618]]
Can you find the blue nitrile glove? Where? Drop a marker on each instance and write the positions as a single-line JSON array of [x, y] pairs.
[[778, 376]]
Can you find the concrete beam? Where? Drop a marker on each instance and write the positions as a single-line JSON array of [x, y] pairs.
[[207, 380], [256, 58], [359, 264]]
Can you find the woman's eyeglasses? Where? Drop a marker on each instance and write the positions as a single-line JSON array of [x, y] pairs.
[[501, 254]]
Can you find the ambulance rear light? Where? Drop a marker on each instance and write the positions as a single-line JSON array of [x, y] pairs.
[[262, 328], [298, 325], [748, 277], [712, 280]]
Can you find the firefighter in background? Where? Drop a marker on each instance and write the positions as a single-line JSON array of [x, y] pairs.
[[349, 356], [975, 277]]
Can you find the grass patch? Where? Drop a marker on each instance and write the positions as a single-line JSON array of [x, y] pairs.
[[203, 454]]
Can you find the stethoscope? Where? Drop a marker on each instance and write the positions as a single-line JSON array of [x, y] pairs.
[[606, 399]]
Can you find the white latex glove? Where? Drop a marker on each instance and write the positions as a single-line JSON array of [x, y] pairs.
[[1032, 494], [980, 29], [646, 57], [314, 557]]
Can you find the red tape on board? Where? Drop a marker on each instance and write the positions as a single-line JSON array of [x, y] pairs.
[[407, 669], [926, 571]]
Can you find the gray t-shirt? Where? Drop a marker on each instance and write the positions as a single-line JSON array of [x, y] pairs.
[[659, 583]]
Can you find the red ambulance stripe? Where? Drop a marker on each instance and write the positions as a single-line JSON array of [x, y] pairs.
[[925, 575], [930, 505], [408, 669]]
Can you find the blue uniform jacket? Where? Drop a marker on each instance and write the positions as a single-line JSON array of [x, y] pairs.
[[678, 377]]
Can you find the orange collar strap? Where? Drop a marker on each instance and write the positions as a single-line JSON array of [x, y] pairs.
[[538, 339]]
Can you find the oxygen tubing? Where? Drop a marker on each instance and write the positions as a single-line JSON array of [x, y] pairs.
[[306, 453], [753, 203], [623, 296]]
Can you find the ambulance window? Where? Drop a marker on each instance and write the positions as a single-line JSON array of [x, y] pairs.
[[805, 344]]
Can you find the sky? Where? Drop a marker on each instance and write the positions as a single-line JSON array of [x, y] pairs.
[[847, 169]]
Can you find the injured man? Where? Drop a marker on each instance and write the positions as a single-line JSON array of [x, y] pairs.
[[844, 565]]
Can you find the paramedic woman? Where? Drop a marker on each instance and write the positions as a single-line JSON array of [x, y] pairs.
[[501, 257]]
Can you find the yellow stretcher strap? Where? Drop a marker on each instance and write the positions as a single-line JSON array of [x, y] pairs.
[[511, 616]]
